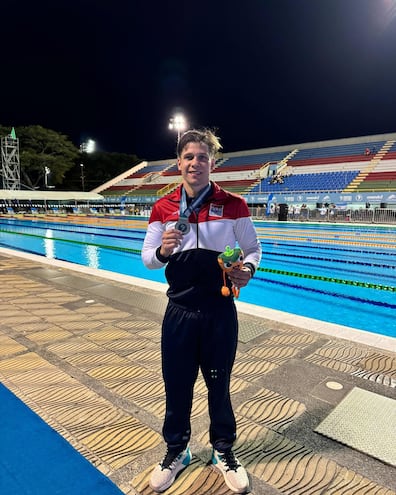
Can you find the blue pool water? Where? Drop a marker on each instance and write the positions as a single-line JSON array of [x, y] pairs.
[[335, 273]]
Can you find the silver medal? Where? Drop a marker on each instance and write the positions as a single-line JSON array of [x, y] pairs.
[[183, 225]]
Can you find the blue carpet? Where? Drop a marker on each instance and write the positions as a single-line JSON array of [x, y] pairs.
[[36, 460]]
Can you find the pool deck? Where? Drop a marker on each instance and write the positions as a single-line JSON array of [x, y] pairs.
[[94, 338]]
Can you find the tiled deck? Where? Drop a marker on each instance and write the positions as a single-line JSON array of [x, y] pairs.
[[81, 348]]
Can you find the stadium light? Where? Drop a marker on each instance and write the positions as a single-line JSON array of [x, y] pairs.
[[178, 123], [88, 146]]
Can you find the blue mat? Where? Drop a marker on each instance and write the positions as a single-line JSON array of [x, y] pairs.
[[36, 460]]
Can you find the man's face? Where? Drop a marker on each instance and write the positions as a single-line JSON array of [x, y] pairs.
[[195, 165]]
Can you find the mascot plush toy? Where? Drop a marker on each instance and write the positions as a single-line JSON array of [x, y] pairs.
[[228, 260]]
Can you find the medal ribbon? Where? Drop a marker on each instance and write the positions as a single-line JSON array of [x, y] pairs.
[[195, 205]]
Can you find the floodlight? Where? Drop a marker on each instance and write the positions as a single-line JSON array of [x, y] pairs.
[[178, 123]]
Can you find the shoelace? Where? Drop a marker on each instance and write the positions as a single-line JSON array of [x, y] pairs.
[[229, 460], [169, 460]]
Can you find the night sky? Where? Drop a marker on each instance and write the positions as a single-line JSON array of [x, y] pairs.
[[263, 72]]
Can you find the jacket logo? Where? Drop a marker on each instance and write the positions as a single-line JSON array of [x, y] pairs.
[[216, 210]]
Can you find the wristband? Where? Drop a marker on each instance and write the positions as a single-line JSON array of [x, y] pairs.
[[162, 259], [251, 268]]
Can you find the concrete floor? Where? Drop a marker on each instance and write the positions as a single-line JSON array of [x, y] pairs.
[[82, 349]]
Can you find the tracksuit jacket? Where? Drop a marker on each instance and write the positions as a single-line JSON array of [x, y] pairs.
[[193, 273]]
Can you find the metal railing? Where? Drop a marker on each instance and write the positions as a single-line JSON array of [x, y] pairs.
[[333, 215]]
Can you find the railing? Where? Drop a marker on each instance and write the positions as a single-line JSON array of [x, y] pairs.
[[167, 188], [333, 215]]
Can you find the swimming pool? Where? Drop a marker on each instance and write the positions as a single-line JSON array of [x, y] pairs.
[[335, 273]]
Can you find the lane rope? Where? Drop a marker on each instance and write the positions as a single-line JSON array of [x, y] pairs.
[[333, 294], [73, 241], [354, 283]]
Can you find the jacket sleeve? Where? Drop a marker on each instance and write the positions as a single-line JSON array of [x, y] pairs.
[[248, 241], [152, 242]]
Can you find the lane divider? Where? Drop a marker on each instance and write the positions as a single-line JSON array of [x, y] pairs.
[[325, 248], [354, 283], [312, 240], [332, 260], [73, 241], [333, 294]]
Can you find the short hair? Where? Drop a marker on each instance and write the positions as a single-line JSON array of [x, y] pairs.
[[205, 136]]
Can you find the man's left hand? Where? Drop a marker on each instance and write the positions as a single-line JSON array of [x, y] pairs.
[[240, 276]]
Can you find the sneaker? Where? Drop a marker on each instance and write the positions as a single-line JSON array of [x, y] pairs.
[[234, 473], [164, 474]]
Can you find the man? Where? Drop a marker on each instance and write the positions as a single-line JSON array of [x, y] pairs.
[[187, 231]]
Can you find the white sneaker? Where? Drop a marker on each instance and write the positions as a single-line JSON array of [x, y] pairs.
[[235, 475], [164, 474]]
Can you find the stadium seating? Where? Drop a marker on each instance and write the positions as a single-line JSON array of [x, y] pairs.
[[378, 181], [344, 165], [248, 162], [327, 181], [239, 187], [343, 153]]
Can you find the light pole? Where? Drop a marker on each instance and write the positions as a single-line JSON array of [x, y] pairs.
[[178, 123], [87, 146], [82, 177], [47, 171]]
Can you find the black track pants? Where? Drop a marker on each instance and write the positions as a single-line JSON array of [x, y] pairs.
[[193, 340]]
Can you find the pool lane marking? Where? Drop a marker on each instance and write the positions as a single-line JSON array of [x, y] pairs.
[[322, 258], [73, 241], [328, 241], [354, 283], [333, 294], [267, 270]]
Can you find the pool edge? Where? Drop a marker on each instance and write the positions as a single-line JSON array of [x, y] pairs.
[[326, 328]]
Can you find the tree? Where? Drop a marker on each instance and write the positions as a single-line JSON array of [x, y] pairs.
[[99, 167], [43, 149]]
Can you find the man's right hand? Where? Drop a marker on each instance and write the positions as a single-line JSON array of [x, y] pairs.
[[171, 239]]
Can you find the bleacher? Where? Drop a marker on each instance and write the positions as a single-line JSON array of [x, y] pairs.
[[383, 176], [116, 190], [336, 154], [237, 186], [391, 155], [172, 170], [326, 181], [333, 166], [148, 189], [141, 180], [149, 169], [378, 181], [248, 162]]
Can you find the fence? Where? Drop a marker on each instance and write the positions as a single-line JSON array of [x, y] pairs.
[[334, 215]]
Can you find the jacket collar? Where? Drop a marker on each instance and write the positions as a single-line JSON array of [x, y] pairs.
[[217, 193]]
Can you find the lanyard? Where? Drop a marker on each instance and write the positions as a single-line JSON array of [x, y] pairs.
[[182, 224], [195, 205]]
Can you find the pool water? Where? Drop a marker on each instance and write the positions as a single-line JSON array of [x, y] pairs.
[[339, 274]]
